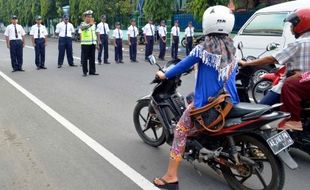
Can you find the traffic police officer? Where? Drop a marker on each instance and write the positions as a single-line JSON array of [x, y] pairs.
[[175, 32], [38, 34], [118, 43], [162, 31], [103, 39], [132, 40], [15, 41], [149, 32], [189, 33], [88, 43], [65, 29]]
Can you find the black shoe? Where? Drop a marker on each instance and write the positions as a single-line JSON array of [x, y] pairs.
[[116, 62], [121, 62], [84, 75], [136, 61], [99, 63], [21, 70], [59, 66], [14, 71], [107, 62], [43, 67], [38, 68], [93, 74], [72, 65]]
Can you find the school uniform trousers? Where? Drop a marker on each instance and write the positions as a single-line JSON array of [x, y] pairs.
[[149, 46], [16, 53], [65, 46], [133, 48], [162, 47], [88, 55], [119, 50], [103, 47], [39, 50], [175, 47], [189, 44]]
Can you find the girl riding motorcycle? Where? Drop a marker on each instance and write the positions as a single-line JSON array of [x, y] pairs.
[[216, 70], [296, 88]]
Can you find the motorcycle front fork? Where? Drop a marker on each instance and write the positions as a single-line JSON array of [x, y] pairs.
[[233, 149]]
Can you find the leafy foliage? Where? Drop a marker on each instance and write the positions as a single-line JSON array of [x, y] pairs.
[[159, 9]]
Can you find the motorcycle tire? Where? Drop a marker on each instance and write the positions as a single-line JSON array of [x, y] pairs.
[[258, 87], [183, 42], [277, 169], [159, 140]]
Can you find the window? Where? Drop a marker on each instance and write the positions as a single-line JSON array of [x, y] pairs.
[[266, 25]]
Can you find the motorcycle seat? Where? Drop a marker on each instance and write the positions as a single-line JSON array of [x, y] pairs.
[[242, 109]]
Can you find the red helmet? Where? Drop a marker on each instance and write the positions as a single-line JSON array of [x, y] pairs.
[[300, 20]]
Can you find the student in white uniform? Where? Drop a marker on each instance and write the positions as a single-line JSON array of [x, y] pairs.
[[118, 43], [175, 33], [132, 40], [65, 30], [103, 39], [15, 41], [162, 31], [39, 34], [189, 33], [149, 32]]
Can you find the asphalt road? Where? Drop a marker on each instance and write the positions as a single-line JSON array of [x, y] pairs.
[[38, 152]]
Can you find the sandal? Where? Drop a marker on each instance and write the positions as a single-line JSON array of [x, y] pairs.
[[166, 185]]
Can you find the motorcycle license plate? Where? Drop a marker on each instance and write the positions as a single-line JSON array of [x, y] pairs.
[[279, 142]]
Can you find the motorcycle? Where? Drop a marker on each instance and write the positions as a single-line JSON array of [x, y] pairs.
[[197, 39], [243, 150], [248, 76], [263, 86]]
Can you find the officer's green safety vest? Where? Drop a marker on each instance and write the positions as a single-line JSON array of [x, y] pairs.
[[88, 36]]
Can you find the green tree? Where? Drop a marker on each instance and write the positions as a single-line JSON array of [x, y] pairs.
[[197, 7], [158, 10]]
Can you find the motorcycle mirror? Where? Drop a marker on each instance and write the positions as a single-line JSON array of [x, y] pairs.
[[272, 46], [152, 59], [240, 45]]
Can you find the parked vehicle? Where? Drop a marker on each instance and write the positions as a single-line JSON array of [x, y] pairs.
[[247, 148], [265, 26], [262, 87], [197, 39]]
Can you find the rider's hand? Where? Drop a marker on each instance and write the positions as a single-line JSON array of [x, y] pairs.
[[161, 75], [242, 63]]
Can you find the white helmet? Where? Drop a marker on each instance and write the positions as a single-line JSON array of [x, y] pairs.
[[218, 19]]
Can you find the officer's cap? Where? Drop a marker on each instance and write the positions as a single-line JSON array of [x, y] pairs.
[[117, 23], [88, 12], [13, 17], [163, 22], [190, 22], [65, 17], [38, 17], [133, 20], [176, 21], [103, 17]]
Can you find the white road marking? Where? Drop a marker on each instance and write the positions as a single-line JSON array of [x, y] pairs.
[[132, 174]]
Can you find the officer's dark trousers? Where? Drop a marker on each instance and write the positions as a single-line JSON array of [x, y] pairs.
[[103, 47], [88, 55], [175, 47], [133, 49], [65, 45], [162, 48], [16, 52], [39, 50], [189, 45], [149, 46], [119, 50]]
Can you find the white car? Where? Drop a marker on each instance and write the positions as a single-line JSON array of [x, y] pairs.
[[266, 26]]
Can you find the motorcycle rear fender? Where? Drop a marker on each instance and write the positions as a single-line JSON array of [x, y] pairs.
[[284, 155]]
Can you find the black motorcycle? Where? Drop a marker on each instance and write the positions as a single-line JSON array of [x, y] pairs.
[[197, 39], [247, 150]]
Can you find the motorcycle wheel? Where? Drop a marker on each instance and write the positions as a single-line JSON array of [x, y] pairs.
[[248, 175], [147, 125], [260, 89], [183, 42]]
